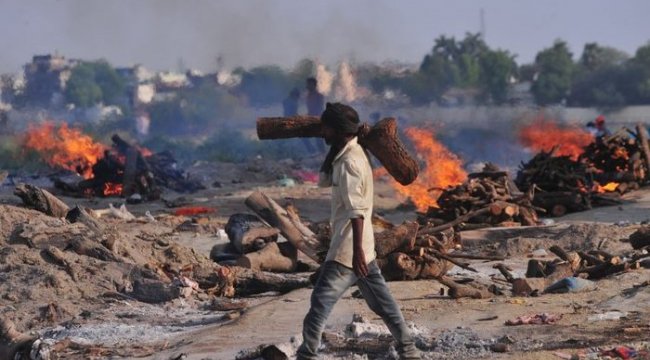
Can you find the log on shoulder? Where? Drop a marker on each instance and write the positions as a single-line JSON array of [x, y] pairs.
[[381, 140]]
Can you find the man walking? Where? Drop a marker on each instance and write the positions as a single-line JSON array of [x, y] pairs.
[[351, 256]]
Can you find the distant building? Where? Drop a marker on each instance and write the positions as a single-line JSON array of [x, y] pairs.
[[46, 77]]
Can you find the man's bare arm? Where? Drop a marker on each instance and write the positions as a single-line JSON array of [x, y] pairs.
[[358, 257]]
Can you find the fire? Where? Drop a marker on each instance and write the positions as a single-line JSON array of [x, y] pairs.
[[544, 135], [113, 189], [442, 168], [609, 187], [65, 147]]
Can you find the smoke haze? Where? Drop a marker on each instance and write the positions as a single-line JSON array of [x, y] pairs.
[[166, 34]]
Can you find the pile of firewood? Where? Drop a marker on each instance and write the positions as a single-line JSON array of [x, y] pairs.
[[124, 171], [488, 198], [404, 252], [560, 184], [619, 158], [608, 167]]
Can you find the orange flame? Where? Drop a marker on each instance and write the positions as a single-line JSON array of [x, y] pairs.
[[65, 147], [113, 189], [609, 187], [442, 168], [544, 135]]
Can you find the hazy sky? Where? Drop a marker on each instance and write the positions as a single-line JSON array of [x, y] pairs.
[[250, 32]]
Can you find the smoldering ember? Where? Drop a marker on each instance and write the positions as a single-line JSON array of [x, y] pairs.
[[178, 215]]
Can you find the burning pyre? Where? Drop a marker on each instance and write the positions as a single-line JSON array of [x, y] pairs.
[[441, 169], [572, 176], [120, 170]]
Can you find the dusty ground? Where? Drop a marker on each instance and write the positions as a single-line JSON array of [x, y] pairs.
[[450, 329]]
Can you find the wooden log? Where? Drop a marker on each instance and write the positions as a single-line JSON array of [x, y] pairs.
[[433, 268], [130, 172], [590, 259], [504, 208], [457, 291], [475, 257], [13, 341], [92, 249], [400, 266], [79, 214], [458, 220], [442, 256], [41, 200], [505, 271], [381, 140], [603, 270], [273, 257], [269, 128], [291, 228], [643, 139], [249, 282], [571, 257], [640, 238], [401, 238]]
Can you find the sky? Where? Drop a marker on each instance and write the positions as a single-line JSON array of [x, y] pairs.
[[165, 34]]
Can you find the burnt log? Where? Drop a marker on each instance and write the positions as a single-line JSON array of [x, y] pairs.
[[244, 229], [289, 225], [401, 237], [250, 282], [41, 200], [400, 266], [643, 139], [13, 341], [273, 257], [457, 291], [640, 238], [381, 140]]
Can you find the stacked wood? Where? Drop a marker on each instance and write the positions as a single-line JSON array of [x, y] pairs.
[[403, 253], [621, 158], [607, 168], [487, 198], [124, 170]]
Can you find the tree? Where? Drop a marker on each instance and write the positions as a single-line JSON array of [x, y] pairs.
[[93, 82], [497, 67], [555, 69], [595, 56], [82, 89], [598, 77], [640, 66]]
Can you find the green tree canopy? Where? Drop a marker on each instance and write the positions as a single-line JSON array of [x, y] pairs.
[[554, 73], [93, 82], [497, 67]]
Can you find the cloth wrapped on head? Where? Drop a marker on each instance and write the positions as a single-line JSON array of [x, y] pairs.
[[342, 118]]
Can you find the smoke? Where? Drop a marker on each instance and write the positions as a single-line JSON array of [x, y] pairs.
[[346, 87], [324, 78], [163, 33]]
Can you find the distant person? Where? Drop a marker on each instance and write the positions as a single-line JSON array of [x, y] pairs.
[[315, 102], [601, 128], [290, 104], [591, 128], [290, 108]]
